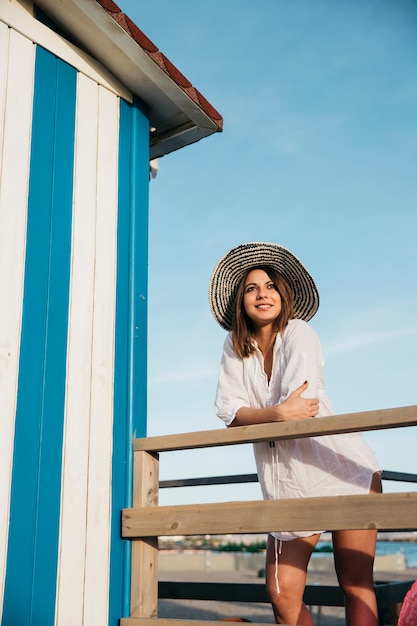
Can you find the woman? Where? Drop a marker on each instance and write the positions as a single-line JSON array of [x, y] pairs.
[[271, 370]]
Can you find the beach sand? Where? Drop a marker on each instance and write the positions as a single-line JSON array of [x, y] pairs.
[[257, 612]]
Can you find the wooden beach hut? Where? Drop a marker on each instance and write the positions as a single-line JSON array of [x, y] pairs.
[[86, 101]]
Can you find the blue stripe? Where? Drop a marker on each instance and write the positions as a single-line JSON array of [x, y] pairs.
[[139, 274], [30, 586], [130, 400]]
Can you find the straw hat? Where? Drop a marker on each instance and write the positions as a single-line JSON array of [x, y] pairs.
[[231, 268]]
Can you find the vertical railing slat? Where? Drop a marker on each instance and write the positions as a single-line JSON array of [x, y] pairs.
[[144, 582]]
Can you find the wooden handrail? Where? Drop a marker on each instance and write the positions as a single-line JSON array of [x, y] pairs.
[[145, 521], [296, 429], [375, 511]]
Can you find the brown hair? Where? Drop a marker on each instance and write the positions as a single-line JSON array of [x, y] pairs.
[[243, 330]]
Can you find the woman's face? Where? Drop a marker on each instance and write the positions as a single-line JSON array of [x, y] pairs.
[[261, 300]]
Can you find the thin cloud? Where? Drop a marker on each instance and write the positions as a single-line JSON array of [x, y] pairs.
[[359, 340]]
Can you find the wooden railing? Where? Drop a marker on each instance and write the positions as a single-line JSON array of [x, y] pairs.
[[146, 521]]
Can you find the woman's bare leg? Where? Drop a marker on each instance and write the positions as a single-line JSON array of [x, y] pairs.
[[287, 601], [354, 553]]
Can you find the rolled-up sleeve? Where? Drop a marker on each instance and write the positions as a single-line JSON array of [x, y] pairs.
[[231, 392]]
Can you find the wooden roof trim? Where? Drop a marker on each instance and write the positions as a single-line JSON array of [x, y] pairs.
[[161, 60]]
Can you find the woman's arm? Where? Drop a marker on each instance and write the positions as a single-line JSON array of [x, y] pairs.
[[293, 408]]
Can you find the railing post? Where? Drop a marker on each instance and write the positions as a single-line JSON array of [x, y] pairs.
[[144, 581]]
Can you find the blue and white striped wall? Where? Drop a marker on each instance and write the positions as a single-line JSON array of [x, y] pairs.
[[74, 162]]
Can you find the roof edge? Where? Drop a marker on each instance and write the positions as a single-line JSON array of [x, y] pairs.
[[161, 60], [178, 111]]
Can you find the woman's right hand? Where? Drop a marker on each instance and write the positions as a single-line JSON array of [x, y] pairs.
[[295, 407]]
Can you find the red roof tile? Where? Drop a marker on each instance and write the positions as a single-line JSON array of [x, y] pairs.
[[161, 60]]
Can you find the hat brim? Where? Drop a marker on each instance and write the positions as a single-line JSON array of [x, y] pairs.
[[231, 268]]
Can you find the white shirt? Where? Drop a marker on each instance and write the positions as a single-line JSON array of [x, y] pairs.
[[296, 468]]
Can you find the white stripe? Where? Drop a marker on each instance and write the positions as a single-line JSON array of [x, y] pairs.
[[16, 96], [83, 580], [71, 564], [100, 460]]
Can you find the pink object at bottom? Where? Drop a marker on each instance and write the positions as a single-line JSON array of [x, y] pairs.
[[408, 613]]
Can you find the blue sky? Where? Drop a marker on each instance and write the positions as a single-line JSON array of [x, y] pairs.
[[319, 154]]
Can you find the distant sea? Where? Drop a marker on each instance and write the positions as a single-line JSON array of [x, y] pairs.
[[408, 548]]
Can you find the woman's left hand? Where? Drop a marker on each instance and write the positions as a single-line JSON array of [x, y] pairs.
[[295, 407]]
